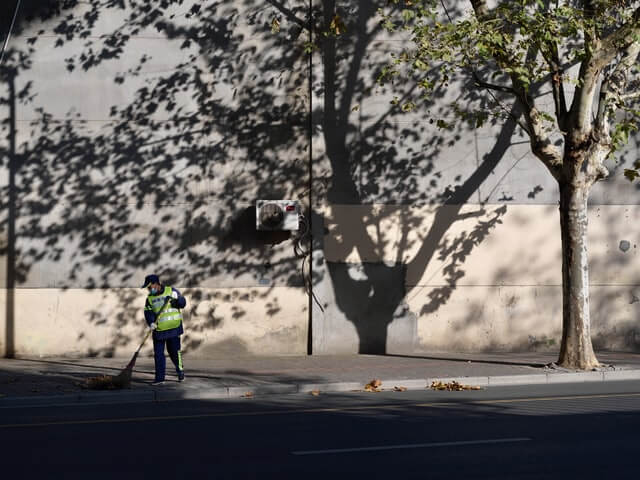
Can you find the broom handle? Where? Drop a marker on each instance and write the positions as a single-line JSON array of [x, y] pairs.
[[144, 340], [149, 330]]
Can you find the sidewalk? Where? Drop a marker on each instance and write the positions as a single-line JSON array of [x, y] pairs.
[[59, 380]]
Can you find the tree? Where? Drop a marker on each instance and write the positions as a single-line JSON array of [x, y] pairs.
[[585, 52]]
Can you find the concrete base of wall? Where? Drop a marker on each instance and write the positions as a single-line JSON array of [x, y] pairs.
[[468, 278], [110, 322]]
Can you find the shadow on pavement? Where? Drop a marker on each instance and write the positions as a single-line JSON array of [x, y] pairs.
[[472, 360]]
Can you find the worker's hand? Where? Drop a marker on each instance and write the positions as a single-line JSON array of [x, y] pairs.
[[174, 295], [153, 326]]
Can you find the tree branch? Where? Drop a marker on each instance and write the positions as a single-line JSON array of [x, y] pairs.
[[491, 86], [480, 8], [515, 118], [290, 15], [559, 99], [600, 53], [541, 145], [619, 40], [613, 86], [630, 96]]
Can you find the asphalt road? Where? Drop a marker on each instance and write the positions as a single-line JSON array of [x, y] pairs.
[[532, 432]]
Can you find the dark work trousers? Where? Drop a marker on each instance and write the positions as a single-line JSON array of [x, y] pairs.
[[173, 348]]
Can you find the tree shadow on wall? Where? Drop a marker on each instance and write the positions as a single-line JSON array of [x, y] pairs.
[[105, 191], [383, 156], [202, 123]]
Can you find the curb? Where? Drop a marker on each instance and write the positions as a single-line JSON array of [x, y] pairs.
[[168, 395]]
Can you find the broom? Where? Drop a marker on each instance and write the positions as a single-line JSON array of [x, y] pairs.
[[122, 380]]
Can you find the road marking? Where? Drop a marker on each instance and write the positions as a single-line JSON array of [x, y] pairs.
[[565, 397], [313, 410], [413, 445]]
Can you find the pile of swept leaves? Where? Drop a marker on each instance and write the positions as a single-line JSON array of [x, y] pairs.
[[106, 382], [376, 384], [373, 386], [452, 386]]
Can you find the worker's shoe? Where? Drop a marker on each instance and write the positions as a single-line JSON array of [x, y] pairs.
[[157, 382], [180, 376]]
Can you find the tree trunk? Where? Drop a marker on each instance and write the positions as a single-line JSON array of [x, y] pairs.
[[576, 350]]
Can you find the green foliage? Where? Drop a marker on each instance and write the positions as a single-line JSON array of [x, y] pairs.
[[620, 135], [309, 47], [518, 49], [275, 25], [631, 174]]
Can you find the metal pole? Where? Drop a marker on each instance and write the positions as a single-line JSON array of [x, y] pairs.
[[6, 40], [11, 227], [11, 220], [310, 326]]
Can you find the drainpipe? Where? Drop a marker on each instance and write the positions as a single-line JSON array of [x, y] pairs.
[[310, 126], [11, 220]]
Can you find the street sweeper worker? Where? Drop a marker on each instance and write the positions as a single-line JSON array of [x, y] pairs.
[[163, 315]]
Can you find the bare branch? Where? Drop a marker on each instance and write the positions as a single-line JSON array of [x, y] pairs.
[[630, 96], [541, 144], [581, 107], [601, 53]]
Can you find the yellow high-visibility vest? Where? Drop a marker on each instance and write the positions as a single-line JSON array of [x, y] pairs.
[[167, 317]]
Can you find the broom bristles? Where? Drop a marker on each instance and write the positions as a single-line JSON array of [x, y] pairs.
[[110, 382], [122, 380], [133, 361]]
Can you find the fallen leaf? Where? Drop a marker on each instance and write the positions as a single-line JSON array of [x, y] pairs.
[[275, 25], [315, 393], [248, 394], [452, 386], [399, 389], [337, 26], [373, 386]]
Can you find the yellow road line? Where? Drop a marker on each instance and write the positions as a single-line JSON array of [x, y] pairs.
[[315, 410]]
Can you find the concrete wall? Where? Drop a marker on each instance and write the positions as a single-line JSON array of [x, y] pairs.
[[149, 158], [492, 282], [446, 240], [96, 322]]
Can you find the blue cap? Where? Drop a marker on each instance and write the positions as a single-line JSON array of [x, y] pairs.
[[149, 279]]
